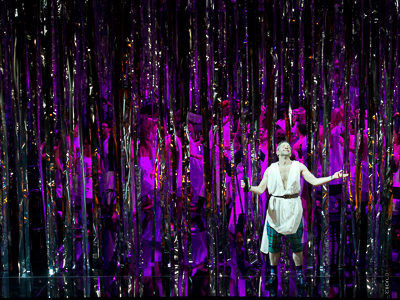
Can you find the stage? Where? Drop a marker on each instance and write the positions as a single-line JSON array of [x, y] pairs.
[[199, 147]]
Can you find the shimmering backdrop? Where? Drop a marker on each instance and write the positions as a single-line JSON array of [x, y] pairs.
[[159, 80]]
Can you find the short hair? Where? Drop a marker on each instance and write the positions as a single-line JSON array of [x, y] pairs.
[[282, 142]]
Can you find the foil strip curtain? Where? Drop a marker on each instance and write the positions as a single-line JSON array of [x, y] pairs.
[[347, 196], [4, 152], [312, 152], [325, 234], [70, 65]]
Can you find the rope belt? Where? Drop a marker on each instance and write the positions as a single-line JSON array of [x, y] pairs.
[[287, 196]]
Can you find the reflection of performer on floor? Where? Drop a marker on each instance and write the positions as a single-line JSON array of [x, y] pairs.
[[284, 215]]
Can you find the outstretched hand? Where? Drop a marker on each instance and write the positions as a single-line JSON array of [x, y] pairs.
[[339, 174]]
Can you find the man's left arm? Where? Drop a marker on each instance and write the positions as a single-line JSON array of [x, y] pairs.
[[310, 178]]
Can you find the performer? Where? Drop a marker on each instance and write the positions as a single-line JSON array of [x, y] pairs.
[[285, 210]]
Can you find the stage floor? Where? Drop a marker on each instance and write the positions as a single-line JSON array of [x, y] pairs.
[[127, 286]]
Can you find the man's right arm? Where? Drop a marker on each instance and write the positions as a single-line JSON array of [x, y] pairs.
[[261, 187]]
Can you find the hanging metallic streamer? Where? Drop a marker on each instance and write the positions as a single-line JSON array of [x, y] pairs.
[[360, 144], [24, 97], [68, 162], [155, 91], [262, 89], [124, 111], [96, 252], [371, 93], [135, 170], [94, 136], [49, 124], [253, 217], [352, 185], [214, 199], [130, 136], [175, 197], [255, 224], [325, 234], [313, 153], [339, 88], [283, 86], [218, 94], [116, 94], [81, 112], [187, 196], [236, 80], [24, 265], [4, 158], [387, 194], [162, 167], [204, 106], [346, 195], [192, 102]]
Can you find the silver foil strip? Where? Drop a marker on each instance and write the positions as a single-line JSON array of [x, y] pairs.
[[313, 154], [346, 195], [81, 89], [116, 141], [193, 104], [360, 148], [373, 140], [225, 83], [131, 147], [186, 213], [4, 159], [165, 160], [48, 60], [24, 98], [68, 160], [5, 95], [325, 234], [19, 144], [215, 192], [283, 85], [203, 33], [155, 52], [391, 103], [175, 200], [236, 80]]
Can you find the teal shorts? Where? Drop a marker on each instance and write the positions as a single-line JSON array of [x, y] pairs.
[[274, 239]]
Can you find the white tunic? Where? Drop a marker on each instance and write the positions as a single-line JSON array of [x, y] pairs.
[[283, 215]]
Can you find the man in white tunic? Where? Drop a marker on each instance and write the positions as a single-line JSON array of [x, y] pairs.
[[285, 210]]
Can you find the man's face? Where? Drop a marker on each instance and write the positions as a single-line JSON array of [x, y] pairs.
[[284, 149]]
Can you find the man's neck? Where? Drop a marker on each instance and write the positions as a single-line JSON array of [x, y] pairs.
[[284, 160]]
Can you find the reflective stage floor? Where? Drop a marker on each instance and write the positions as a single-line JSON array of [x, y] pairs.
[[199, 285]]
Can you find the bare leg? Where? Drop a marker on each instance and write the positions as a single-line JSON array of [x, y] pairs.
[[298, 258], [274, 258]]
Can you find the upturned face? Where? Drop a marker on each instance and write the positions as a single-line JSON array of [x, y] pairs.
[[284, 149]]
